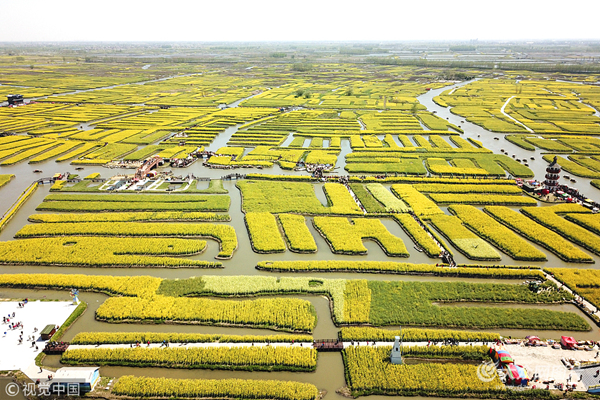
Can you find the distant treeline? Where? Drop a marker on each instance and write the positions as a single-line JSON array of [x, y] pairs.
[[361, 50], [536, 67], [463, 47], [159, 60]]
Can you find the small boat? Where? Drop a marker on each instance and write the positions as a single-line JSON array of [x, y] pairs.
[[532, 158], [573, 180], [496, 138], [37, 170], [566, 177], [420, 250], [78, 168]]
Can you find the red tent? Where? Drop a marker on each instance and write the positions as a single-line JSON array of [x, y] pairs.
[[568, 342]]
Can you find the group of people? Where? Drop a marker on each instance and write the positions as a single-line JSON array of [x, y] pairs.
[[575, 193], [12, 325], [19, 325]]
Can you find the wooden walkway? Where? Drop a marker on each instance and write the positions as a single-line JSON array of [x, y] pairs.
[[328, 345], [56, 348]]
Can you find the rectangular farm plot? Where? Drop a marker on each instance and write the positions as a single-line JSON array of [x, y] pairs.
[[590, 222], [297, 234], [295, 197], [57, 151], [468, 188], [573, 167], [130, 217], [368, 201], [584, 282], [264, 233], [438, 304], [463, 239], [405, 165], [288, 314], [224, 234], [462, 166], [420, 204], [592, 163], [538, 234], [132, 386], [345, 237], [73, 251], [369, 371], [265, 358], [419, 233], [497, 234], [548, 217], [486, 199], [21, 156], [78, 152], [385, 197], [133, 202], [106, 154]]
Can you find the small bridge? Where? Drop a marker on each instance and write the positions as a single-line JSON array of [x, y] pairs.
[[233, 176], [56, 347], [328, 345]]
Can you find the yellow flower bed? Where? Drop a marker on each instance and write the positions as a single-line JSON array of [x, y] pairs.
[[142, 286], [357, 301], [295, 197], [224, 234], [129, 216], [214, 388], [18, 204], [538, 234], [225, 357], [346, 237], [420, 235], [547, 217], [385, 197], [369, 371], [103, 252], [264, 233], [486, 199], [297, 234], [463, 239], [585, 282], [419, 203], [157, 337], [282, 314], [412, 334], [498, 234]]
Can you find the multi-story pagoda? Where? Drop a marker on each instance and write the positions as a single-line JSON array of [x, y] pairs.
[[552, 174]]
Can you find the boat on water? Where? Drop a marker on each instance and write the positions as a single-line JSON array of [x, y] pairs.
[[37, 170], [78, 168]]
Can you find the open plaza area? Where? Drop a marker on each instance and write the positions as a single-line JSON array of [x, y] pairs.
[[32, 318]]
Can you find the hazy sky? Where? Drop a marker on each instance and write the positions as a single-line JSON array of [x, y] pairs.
[[263, 20]]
